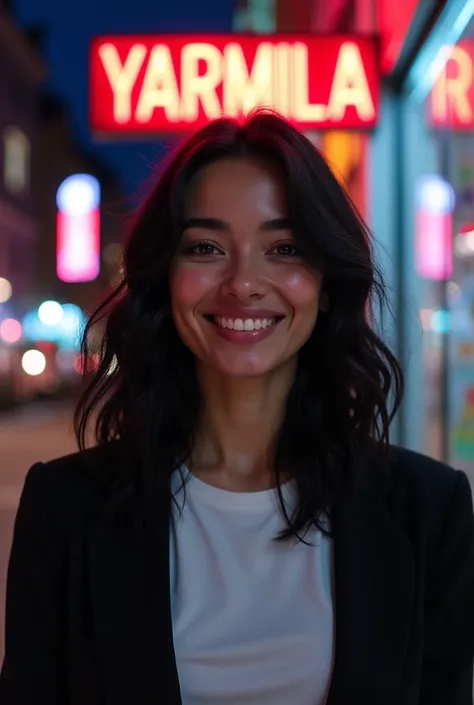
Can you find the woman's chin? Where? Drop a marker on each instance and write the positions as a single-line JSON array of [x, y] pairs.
[[242, 368]]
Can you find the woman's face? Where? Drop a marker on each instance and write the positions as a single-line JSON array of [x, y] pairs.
[[243, 300]]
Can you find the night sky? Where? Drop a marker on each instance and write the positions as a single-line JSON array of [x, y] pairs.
[[69, 27]]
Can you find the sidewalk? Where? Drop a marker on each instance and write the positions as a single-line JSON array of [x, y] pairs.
[[33, 414]]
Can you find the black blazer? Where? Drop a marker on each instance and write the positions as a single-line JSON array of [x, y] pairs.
[[88, 601]]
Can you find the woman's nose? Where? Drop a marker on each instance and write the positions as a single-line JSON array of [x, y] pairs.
[[244, 278]]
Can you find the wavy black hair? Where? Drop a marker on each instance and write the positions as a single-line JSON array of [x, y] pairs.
[[348, 385]]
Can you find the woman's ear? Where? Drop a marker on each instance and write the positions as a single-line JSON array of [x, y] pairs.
[[324, 301]]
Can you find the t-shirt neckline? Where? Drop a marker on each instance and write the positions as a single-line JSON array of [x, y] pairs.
[[233, 501]]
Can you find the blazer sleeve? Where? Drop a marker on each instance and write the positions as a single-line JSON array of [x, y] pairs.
[[447, 670], [32, 672]]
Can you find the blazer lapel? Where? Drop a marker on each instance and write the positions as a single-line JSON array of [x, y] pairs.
[[374, 593], [129, 581]]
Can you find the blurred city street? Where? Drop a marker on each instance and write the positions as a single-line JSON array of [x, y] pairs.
[[40, 432]]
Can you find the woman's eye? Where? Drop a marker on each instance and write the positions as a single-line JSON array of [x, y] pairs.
[[286, 249], [203, 249]]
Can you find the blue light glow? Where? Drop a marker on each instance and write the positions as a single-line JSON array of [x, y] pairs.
[[429, 63], [435, 195], [65, 333], [441, 322], [78, 194]]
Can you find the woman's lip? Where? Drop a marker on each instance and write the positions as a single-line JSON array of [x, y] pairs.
[[243, 337], [244, 314]]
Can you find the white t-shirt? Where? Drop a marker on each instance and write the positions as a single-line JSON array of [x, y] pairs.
[[252, 618]]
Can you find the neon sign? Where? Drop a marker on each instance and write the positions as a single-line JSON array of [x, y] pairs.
[[434, 228], [163, 84], [78, 229], [452, 96]]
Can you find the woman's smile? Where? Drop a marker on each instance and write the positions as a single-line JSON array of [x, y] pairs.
[[244, 327]]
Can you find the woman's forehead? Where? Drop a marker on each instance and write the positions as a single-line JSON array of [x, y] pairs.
[[243, 183]]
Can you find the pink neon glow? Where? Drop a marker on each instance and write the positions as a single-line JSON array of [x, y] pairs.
[[434, 245], [83, 365], [10, 330], [78, 246]]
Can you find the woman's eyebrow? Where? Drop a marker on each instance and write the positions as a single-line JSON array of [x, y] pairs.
[[206, 223], [218, 224]]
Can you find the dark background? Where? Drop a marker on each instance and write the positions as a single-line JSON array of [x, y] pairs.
[[68, 28]]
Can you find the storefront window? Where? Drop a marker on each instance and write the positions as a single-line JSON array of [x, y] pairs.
[[447, 304]]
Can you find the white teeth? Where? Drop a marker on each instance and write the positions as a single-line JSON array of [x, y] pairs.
[[248, 324]]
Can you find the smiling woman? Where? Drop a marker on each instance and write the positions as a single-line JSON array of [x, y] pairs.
[[243, 489]]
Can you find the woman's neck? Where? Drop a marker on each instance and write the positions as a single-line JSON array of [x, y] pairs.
[[239, 420]]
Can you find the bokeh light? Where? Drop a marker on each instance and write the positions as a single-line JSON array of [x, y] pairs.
[[65, 360], [33, 362], [50, 313], [5, 290], [10, 330], [78, 194]]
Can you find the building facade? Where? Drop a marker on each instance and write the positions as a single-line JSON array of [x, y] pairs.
[[38, 152], [21, 75]]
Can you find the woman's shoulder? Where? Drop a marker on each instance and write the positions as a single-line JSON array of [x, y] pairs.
[[430, 484], [73, 484], [416, 469]]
